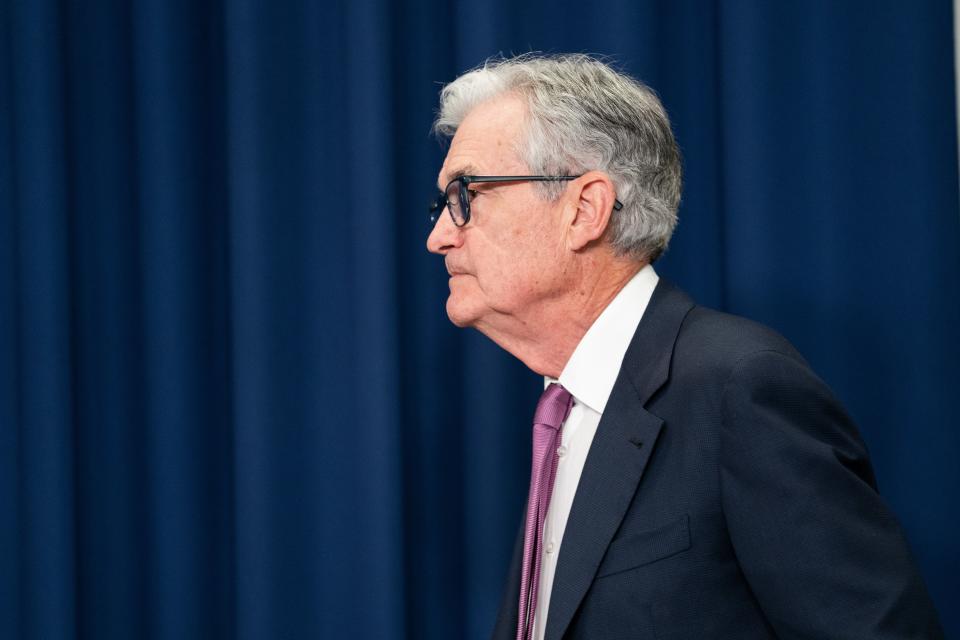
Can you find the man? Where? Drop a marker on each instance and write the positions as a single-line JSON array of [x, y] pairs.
[[692, 477]]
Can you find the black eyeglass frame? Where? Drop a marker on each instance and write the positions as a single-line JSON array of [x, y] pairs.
[[442, 202]]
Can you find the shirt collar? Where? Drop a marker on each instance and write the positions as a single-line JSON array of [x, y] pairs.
[[593, 368]]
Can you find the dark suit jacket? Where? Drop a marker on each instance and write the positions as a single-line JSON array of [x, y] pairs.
[[726, 495]]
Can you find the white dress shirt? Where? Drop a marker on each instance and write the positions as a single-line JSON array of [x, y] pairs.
[[589, 376]]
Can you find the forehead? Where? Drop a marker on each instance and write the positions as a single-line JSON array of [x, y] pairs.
[[486, 142]]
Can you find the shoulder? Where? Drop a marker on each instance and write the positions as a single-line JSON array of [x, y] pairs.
[[710, 339], [693, 348]]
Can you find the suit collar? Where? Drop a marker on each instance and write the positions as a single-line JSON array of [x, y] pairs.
[[647, 361]]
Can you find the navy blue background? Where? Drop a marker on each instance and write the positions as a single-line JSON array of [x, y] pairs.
[[231, 404]]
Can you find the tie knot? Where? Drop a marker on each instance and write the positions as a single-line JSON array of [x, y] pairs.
[[553, 407]]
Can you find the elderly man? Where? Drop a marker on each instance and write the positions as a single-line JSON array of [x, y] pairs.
[[692, 477]]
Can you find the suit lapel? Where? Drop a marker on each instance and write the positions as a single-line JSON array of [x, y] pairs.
[[505, 627], [619, 454]]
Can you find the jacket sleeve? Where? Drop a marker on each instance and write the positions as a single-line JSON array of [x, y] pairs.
[[822, 552]]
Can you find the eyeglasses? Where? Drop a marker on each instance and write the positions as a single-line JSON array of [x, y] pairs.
[[456, 197]]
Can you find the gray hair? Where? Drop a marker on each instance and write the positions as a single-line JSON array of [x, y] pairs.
[[583, 115]]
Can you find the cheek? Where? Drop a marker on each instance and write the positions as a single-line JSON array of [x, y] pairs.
[[518, 278], [514, 265]]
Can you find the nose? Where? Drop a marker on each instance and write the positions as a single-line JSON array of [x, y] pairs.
[[445, 235]]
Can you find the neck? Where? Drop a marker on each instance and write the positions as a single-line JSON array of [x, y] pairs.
[[545, 337]]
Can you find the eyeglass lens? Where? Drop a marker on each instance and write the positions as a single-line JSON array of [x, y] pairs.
[[455, 202]]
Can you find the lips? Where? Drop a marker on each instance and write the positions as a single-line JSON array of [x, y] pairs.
[[454, 271]]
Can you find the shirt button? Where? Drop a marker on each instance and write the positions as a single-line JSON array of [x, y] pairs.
[[562, 450], [550, 547]]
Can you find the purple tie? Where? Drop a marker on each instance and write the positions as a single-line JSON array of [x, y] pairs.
[[552, 410]]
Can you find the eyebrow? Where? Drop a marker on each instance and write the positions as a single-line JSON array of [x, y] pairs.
[[466, 170]]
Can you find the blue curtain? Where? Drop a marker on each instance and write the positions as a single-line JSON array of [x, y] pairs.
[[231, 405]]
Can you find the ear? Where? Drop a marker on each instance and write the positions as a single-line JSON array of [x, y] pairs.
[[595, 196]]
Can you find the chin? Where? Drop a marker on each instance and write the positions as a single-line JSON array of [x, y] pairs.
[[460, 314]]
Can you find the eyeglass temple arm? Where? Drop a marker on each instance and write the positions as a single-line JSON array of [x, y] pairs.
[[617, 205]]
